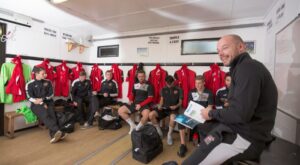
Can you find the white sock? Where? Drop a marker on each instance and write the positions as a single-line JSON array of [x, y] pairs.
[[170, 131], [130, 122], [158, 129], [138, 127]]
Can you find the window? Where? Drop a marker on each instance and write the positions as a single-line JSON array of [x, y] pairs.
[[199, 46], [108, 51]]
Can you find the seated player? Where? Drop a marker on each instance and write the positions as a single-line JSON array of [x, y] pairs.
[[82, 93], [202, 96], [141, 101], [170, 103], [40, 92], [222, 94]]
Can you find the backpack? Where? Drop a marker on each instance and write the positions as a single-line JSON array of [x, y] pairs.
[[66, 121], [146, 144], [108, 121]]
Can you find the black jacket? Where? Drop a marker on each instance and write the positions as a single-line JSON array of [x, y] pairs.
[[252, 100], [81, 89], [39, 89]]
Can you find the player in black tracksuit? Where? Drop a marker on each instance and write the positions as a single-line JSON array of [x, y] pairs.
[[82, 93], [244, 128], [109, 90], [221, 100], [40, 92]]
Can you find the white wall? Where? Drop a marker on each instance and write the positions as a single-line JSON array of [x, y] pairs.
[[285, 126], [32, 42]]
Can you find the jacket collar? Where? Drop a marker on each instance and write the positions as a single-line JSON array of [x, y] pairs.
[[239, 59]]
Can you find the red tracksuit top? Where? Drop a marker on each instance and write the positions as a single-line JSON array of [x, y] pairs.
[[96, 78], [118, 77], [185, 79], [76, 70], [157, 78], [131, 78], [62, 83], [16, 84], [214, 78], [48, 68]]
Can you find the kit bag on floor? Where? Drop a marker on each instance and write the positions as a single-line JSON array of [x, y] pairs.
[[66, 121], [146, 144], [108, 121]]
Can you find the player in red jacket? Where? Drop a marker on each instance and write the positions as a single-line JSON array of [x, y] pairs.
[[157, 78]]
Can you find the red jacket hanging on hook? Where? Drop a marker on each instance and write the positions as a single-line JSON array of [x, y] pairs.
[[48, 68], [131, 78], [96, 77], [185, 78], [76, 70], [157, 78], [62, 83], [118, 77], [214, 78], [16, 84]]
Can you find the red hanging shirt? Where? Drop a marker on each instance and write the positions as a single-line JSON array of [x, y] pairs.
[[118, 77], [214, 78], [131, 79], [62, 83], [157, 78], [185, 79], [16, 84], [96, 78]]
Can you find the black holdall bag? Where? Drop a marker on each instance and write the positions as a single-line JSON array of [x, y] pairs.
[[108, 121], [146, 144], [66, 121]]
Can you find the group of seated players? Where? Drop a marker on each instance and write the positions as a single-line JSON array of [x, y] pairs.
[[40, 94]]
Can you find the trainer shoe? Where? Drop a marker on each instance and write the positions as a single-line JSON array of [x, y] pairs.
[[63, 136], [56, 137], [86, 126], [182, 150], [169, 140]]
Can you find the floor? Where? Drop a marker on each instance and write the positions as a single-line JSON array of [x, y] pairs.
[[90, 146]]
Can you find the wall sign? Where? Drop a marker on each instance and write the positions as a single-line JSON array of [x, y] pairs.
[[174, 39], [153, 40], [66, 36], [50, 32]]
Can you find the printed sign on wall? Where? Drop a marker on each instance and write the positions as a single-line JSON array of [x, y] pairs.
[[174, 39], [153, 40]]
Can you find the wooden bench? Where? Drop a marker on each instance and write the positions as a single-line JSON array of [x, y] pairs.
[[9, 121]]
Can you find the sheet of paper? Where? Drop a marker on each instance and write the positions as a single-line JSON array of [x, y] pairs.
[[194, 111]]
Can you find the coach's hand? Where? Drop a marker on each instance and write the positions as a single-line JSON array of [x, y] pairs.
[[204, 113]]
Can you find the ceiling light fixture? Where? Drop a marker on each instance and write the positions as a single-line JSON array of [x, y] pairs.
[[58, 1]]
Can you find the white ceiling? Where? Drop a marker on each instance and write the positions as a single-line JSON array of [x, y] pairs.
[[99, 17]]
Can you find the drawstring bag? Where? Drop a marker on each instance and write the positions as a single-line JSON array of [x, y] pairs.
[[29, 116]]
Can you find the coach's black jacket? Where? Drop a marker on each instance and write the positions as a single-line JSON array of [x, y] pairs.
[[252, 100]]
